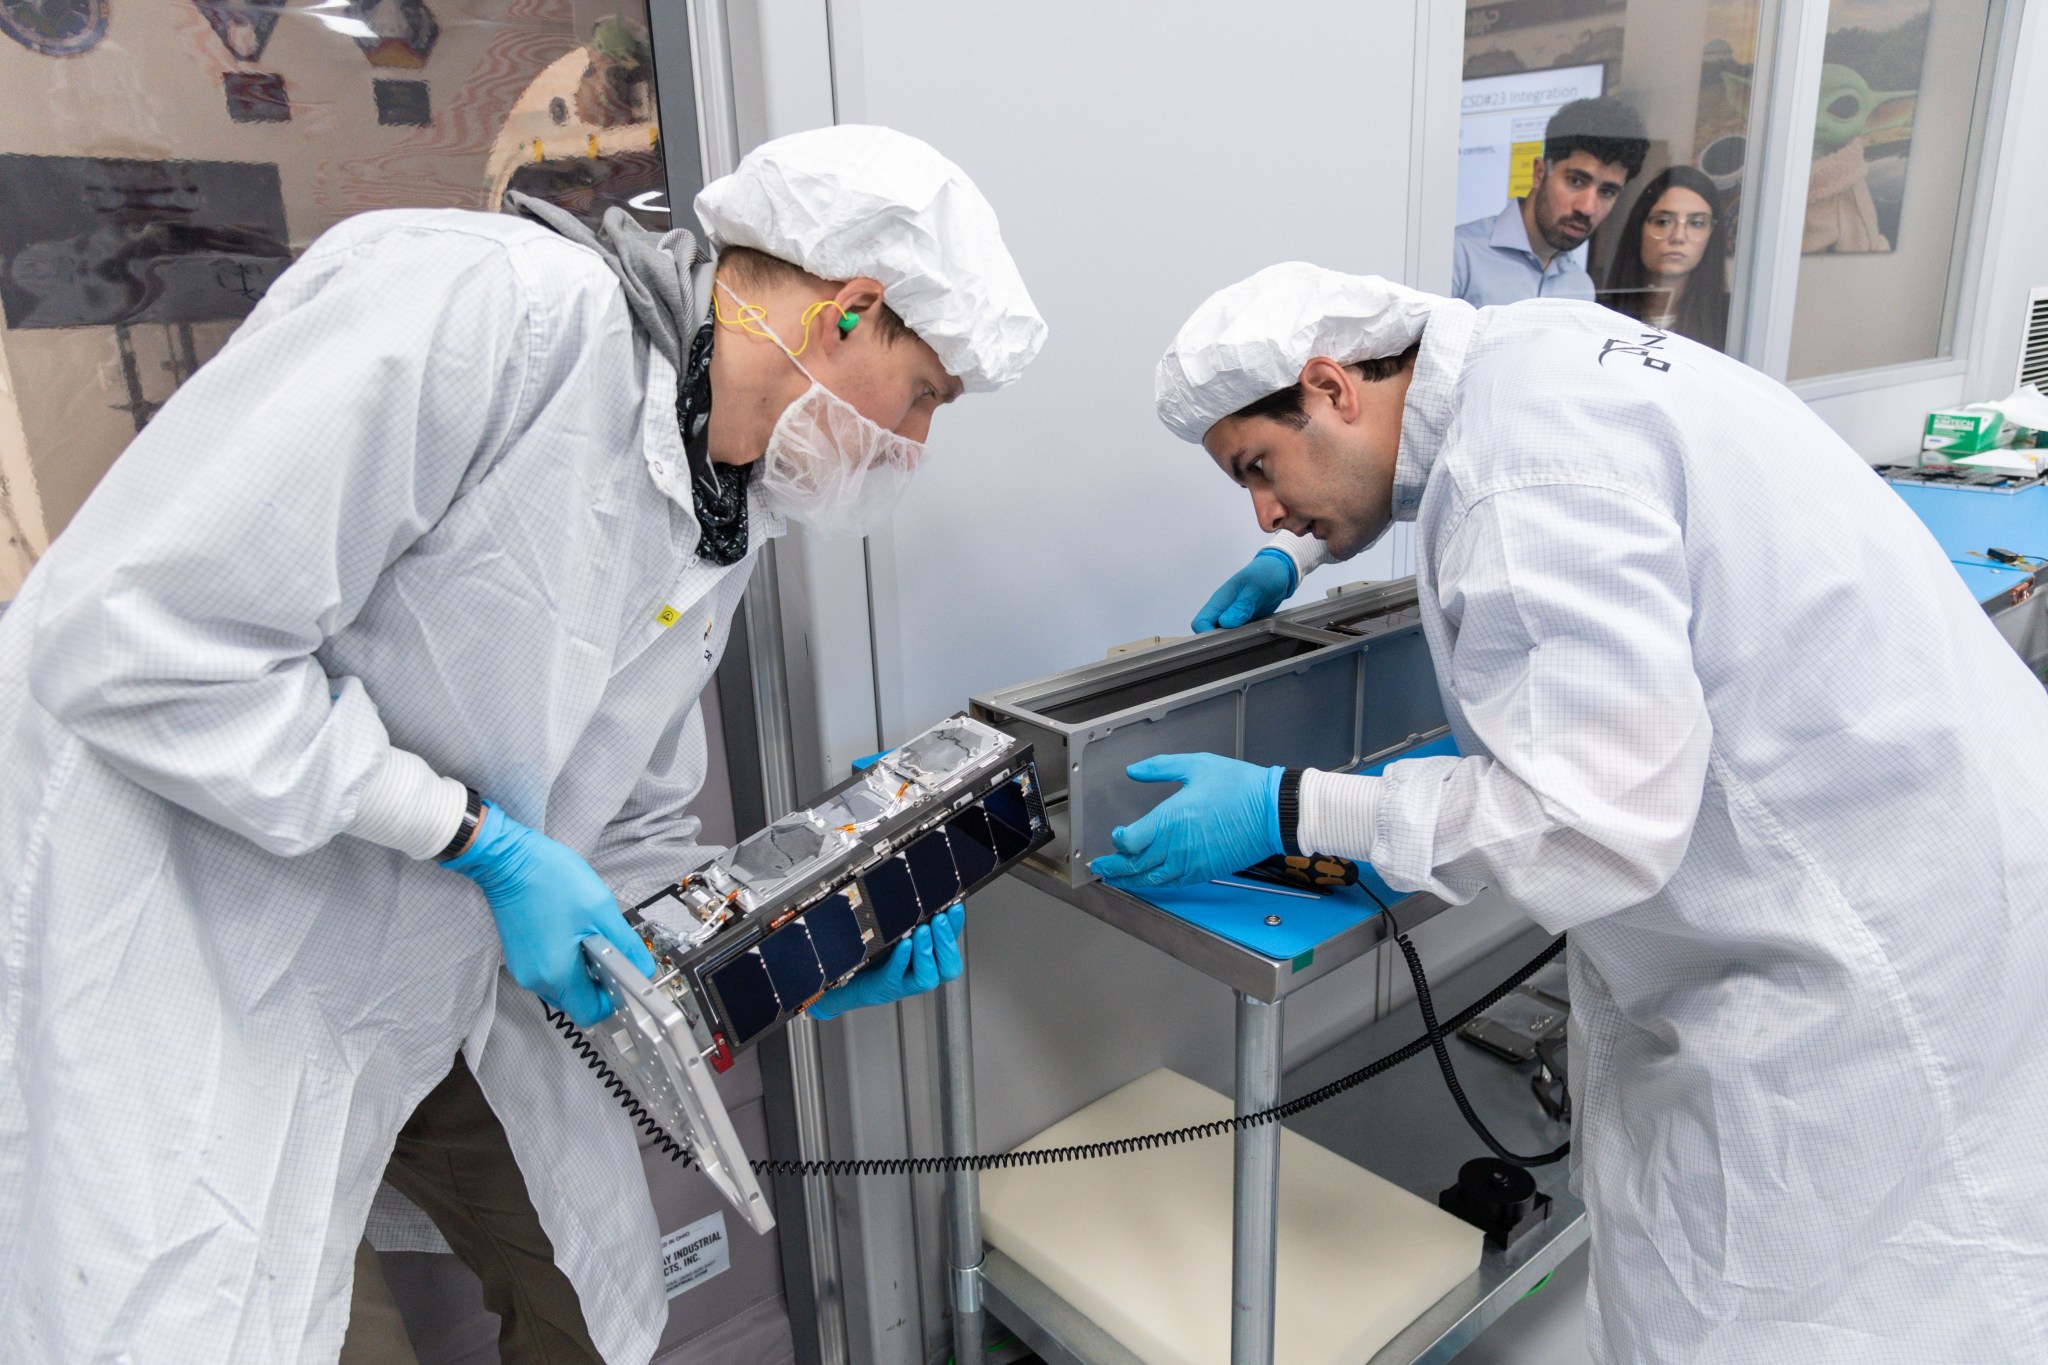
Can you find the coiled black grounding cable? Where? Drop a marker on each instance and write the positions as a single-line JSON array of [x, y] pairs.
[[1434, 1036], [1432, 1040]]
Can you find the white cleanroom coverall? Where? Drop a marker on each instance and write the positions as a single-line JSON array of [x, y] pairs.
[[1732, 720], [411, 504]]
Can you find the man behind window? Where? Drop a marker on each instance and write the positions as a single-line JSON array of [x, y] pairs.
[[1591, 148]]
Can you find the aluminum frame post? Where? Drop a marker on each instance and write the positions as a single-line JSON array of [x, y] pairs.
[[1255, 1202], [718, 144], [1791, 42], [963, 1188]]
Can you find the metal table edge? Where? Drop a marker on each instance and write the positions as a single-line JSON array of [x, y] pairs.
[[1454, 1321], [1047, 1323]]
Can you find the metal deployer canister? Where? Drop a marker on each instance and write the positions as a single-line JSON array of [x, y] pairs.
[[1333, 685]]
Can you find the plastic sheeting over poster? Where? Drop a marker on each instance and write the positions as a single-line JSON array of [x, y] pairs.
[[183, 152]]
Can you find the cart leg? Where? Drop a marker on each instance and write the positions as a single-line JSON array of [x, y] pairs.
[[963, 1188], [1255, 1226]]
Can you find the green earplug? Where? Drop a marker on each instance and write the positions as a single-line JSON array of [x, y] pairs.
[[847, 322]]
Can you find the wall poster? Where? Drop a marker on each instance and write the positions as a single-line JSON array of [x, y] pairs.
[[1863, 135]]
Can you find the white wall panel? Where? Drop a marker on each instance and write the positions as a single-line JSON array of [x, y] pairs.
[[1140, 156]]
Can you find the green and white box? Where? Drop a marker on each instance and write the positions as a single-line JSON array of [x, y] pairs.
[[1961, 431]]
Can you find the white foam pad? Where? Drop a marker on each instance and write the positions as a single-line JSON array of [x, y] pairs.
[[1141, 1243]]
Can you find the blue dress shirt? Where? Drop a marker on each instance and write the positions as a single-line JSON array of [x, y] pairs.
[[1492, 262]]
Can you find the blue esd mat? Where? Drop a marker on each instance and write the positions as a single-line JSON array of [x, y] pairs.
[[1968, 521], [1306, 919]]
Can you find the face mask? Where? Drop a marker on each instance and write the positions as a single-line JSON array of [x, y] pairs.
[[827, 466]]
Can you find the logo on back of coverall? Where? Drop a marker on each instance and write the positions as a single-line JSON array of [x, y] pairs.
[[1646, 348]]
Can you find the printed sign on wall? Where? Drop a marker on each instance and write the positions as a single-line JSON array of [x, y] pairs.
[[1500, 131]]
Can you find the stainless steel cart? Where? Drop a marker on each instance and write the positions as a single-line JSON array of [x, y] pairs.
[[1416, 1124]]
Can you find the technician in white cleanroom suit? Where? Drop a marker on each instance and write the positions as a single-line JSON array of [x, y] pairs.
[[1728, 716], [442, 513]]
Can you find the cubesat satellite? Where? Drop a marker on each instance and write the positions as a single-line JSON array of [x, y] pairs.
[[743, 943]]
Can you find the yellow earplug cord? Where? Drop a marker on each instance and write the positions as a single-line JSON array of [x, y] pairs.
[[752, 319]]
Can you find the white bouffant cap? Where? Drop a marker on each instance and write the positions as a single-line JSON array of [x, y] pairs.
[[1253, 338], [851, 200]]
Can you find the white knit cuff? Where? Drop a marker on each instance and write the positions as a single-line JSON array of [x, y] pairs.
[[409, 807], [1339, 814], [1306, 551]]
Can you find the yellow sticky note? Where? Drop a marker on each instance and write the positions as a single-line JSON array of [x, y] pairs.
[[668, 615], [1522, 157]]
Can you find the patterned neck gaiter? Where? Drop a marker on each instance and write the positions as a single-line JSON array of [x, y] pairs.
[[719, 491]]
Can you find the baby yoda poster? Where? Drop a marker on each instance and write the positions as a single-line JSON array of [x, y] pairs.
[[1863, 134]]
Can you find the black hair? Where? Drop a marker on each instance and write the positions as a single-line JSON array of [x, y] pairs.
[[1605, 129], [1703, 310], [1284, 405]]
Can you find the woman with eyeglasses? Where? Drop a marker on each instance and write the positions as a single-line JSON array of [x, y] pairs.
[[1670, 268]]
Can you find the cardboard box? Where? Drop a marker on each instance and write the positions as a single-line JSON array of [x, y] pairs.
[[1961, 431]]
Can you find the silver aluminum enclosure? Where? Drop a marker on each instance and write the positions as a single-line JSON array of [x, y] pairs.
[[1335, 685], [2021, 615]]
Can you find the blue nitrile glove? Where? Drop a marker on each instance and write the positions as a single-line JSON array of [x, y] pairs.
[[1252, 593], [1226, 817], [922, 959], [547, 900]]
